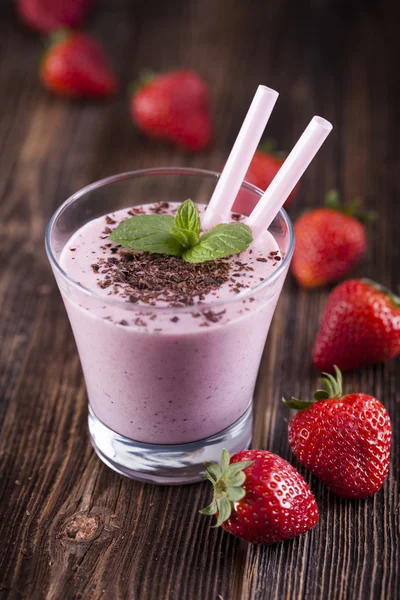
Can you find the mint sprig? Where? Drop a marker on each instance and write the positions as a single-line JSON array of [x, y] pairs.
[[180, 235]]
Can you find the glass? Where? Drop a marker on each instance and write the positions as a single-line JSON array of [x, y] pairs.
[[161, 403]]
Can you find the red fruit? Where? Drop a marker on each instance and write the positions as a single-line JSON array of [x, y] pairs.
[[76, 65], [343, 440], [262, 170], [46, 16], [329, 243], [260, 497], [360, 326], [175, 107]]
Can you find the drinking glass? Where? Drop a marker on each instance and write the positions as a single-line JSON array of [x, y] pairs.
[[163, 402]]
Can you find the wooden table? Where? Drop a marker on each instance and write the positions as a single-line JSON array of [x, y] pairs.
[[72, 528]]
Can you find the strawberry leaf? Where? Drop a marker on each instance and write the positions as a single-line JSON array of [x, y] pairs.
[[352, 209], [227, 480], [332, 200], [145, 78], [59, 36], [268, 146], [321, 395], [209, 510], [332, 388], [209, 477], [237, 480], [297, 404], [213, 470], [235, 494], [335, 384], [224, 510], [326, 384], [338, 376], [236, 467], [224, 462]]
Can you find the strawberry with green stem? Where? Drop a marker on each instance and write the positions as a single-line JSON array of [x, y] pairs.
[[329, 242], [174, 106], [260, 497], [342, 439], [76, 65]]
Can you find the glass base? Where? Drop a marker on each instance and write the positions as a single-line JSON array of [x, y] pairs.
[[168, 464]]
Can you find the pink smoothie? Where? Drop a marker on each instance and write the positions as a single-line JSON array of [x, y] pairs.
[[165, 374]]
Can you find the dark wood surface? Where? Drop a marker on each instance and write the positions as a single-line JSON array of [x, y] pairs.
[[70, 527]]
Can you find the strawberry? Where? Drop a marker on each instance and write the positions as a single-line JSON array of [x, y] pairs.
[[329, 242], [46, 16], [263, 168], [343, 440], [260, 497], [360, 326], [76, 65], [175, 107]]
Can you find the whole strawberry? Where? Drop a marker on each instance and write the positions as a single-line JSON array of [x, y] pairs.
[[264, 166], [260, 497], [46, 16], [175, 107], [343, 440], [360, 326], [76, 65], [329, 242]]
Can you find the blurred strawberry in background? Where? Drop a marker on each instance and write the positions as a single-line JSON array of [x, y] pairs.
[[329, 242], [77, 66], [263, 168], [46, 16], [174, 106], [360, 326]]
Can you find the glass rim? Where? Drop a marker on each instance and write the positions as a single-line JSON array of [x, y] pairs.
[[162, 171]]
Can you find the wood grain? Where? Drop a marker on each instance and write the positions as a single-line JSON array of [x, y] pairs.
[[70, 527]]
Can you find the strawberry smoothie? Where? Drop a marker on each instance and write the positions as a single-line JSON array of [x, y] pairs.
[[170, 351]]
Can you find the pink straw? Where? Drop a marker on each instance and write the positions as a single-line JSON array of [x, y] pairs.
[[219, 207], [288, 175]]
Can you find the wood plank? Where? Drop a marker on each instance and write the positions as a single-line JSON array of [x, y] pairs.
[[71, 528]]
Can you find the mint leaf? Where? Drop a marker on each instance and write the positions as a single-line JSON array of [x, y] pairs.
[[222, 240], [188, 218], [186, 238], [151, 233], [187, 224]]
